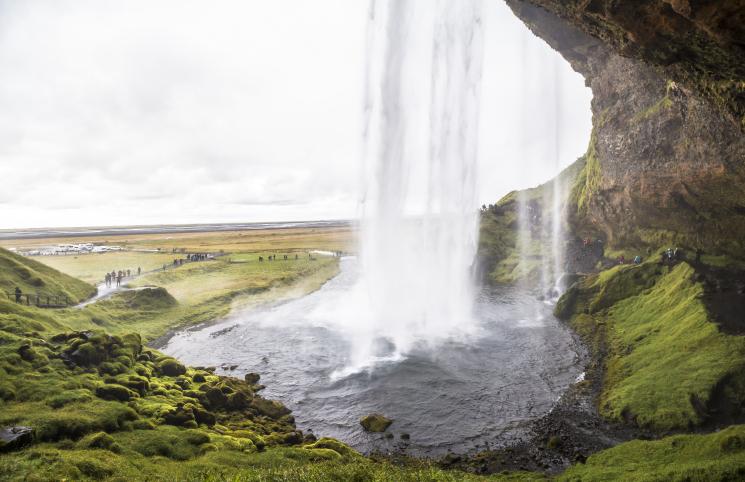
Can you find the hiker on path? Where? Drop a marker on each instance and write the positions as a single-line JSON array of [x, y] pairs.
[[18, 294]]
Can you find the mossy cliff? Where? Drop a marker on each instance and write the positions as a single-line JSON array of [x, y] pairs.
[[665, 164], [503, 236], [664, 362]]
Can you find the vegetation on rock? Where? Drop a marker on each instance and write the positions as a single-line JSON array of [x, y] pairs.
[[667, 364], [375, 422]]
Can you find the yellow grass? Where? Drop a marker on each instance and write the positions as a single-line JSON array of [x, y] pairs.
[[331, 238], [93, 267]]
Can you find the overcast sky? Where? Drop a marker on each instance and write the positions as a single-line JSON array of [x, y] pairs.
[[159, 111]]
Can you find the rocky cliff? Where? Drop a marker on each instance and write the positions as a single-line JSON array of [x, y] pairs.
[[666, 161]]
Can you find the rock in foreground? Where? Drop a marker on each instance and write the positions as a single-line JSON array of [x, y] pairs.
[[375, 422]]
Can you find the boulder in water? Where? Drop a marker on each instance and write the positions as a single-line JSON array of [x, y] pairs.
[[375, 423]]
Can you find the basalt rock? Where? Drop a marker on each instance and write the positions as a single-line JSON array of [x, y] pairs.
[[14, 438], [665, 161], [700, 45]]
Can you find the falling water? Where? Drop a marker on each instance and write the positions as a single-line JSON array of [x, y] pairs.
[[541, 233], [419, 212]]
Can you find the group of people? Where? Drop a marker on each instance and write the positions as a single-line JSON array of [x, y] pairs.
[[670, 255], [622, 259], [273, 257], [189, 258], [116, 277]]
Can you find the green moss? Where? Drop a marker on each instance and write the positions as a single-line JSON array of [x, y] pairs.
[[114, 392], [69, 396], [375, 422], [171, 367], [665, 357], [654, 109], [588, 181], [716, 456], [34, 277], [668, 356]]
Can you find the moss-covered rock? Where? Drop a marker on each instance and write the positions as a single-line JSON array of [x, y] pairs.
[[333, 444], [375, 422], [114, 392], [171, 367]]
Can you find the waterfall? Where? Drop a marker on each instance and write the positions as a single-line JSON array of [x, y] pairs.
[[541, 214], [419, 221]]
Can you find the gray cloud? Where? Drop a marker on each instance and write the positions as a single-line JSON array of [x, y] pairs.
[[186, 111]]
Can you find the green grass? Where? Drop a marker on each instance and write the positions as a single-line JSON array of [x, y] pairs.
[[690, 458], [203, 292], [665, 356], [666, 352], [34, 277], [195, 283], [500, 233], [92, 268], [280, 464], [587, 182]]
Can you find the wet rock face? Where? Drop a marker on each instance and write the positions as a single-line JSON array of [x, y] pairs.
[[666, 162], [14, 438], [700, 44]]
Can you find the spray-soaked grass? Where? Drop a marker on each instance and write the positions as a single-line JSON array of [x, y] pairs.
[[275, 465], [690, 458], [194, 283], [666, 352], [665, 355]]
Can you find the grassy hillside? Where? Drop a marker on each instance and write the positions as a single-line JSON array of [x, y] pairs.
[[34, 277], [716, 456], [667, 365], [501, 233], [93, 267]]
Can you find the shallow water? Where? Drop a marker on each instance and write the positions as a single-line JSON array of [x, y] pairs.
[[457, 396]]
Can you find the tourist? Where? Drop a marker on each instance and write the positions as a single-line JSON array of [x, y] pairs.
[[18, 293], [107, 279], [128, 273], [637, 259], [138, 271]]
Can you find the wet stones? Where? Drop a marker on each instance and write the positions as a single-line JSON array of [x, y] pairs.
[[375, 423], [14, 438], [252, 378]]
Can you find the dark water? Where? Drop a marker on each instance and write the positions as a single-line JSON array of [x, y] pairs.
[[459, 395]]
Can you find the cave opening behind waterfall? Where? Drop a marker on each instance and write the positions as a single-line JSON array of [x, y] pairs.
[[461, 106]]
